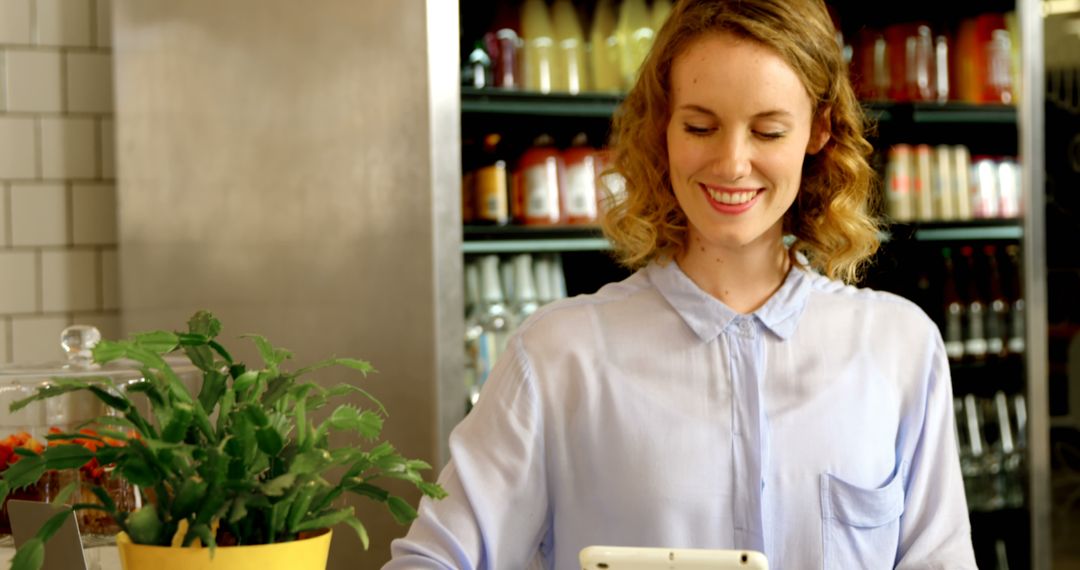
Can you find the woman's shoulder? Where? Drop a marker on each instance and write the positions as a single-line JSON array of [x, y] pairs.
[[866, 302]]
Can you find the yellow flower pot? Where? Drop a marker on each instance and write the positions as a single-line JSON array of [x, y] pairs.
[[306, 554]]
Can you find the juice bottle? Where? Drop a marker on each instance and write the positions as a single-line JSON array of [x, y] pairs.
[[898, 183], [634, 29], [540, 178], [581, 173], [569, 73], [659, 14], [503, 45], [539, 57], [490, 189], [603, 42]]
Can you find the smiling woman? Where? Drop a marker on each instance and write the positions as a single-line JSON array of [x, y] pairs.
[[733, 393]]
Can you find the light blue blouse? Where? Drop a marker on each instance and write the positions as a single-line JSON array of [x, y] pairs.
[[817, 429]]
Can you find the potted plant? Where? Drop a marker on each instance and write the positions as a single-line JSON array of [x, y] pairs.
[[237, 466]]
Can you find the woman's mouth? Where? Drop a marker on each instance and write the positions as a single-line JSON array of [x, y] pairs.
[[731, 200]]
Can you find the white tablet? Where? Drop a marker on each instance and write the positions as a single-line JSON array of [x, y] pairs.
[[634, 558]]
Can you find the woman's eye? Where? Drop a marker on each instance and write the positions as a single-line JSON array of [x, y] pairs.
[[697, 131], [771, 135]]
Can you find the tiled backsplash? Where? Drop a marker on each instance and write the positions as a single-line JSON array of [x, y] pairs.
[[58, 261]]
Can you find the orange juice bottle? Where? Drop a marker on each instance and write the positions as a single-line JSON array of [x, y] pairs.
[[569, 73], [539, 57], [604, 59]]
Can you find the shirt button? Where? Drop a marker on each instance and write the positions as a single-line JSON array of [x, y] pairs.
[[745, 326]]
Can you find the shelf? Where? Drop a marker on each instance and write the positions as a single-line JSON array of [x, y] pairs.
[[942, 113], [532, 239], [503, 102], [1003, 229], [603, 105]]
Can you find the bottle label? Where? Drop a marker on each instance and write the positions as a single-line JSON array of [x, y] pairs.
[[581, 190], [491, 199], [542, 191]]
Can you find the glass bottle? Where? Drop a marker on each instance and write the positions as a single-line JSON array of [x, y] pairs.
[[997, 317], [525, 298], [496, 322], [954, 312], [975, 338]]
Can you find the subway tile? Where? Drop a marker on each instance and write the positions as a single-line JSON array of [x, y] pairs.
[[18, 282], [33, 81], [89, 82], [36, 339], [108, 324], [104, 23], [15, 22], [110, 280], [39, 214], [5, 218], [5, 356], [68, 148], [63, 22], [107, 144], [93, 214], [69, 280], [18, 142]]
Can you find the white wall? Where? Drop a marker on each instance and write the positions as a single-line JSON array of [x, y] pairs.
[[58, 235]]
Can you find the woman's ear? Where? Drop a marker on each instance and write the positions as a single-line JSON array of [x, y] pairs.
[[820, 131]]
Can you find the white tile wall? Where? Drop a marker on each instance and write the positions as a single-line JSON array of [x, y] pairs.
[[68, 148], [15, 22], [89, 82], [107, 144], [63, 22], [69, 280], [36, 339], [104, 23], [5, 338], [39, 215], [5, 227], [110, 280], [93, 214], [18, 144], [58, 254], [18, 282], [33, 81]]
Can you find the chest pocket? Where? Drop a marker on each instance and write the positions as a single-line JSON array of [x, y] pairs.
[[861, 527]]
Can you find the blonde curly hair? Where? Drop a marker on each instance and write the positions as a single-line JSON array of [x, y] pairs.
[[832, 220]]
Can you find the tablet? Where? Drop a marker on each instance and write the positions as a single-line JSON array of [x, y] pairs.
[[634, 558]]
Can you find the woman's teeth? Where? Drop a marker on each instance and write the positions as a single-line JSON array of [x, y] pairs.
[[731, 197]]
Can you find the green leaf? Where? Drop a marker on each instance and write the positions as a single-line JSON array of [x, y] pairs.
[[245, 381], [104, 497], [278, 485], [179, 423], [29, 556], [433, 490], [364, 367], [202, 532], [271, 356], [238, 510], [67, 456], [270, 441], [299, 509], [144, 526], [277, 519], [118, 403], [188, 498], [360, 530], [370, 491], [200, 356], [204, 322], [25, 472], [401, 510], [57, 387], [367, 423], [137, 471], [214, 385], [158, 342], [5, 488], [310, 462], [107, 351], [62, 498], [326, 520]]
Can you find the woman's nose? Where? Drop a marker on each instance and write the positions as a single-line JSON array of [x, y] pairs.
[[731, 161]]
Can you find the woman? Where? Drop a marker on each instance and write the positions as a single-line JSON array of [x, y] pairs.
[[732, 393]]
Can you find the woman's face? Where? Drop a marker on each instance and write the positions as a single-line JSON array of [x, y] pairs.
[[740, 128]]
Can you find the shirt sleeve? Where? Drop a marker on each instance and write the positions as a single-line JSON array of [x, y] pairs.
[[496, 511], [935, 531]]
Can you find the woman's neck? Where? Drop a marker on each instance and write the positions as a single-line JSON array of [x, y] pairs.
[[743, 278]]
